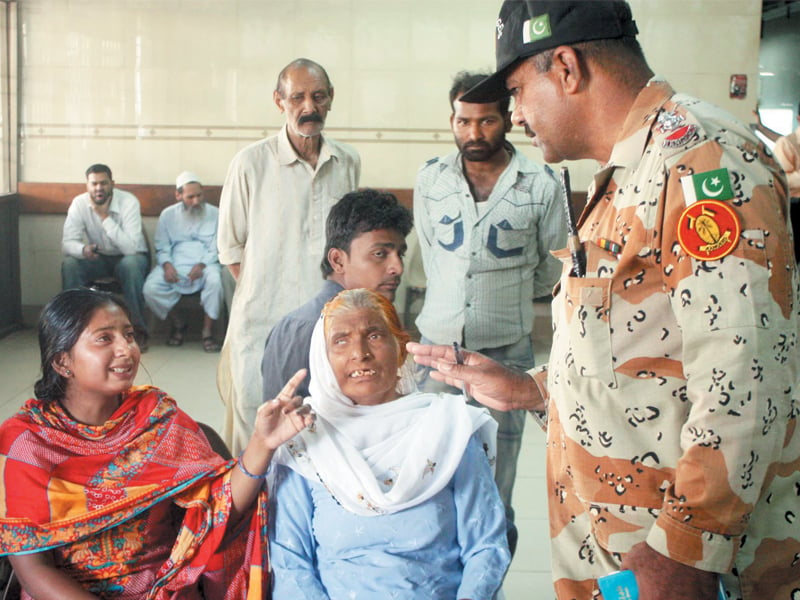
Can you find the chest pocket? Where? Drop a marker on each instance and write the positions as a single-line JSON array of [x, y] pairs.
[[506, 241], [450, 232], [586, 303]]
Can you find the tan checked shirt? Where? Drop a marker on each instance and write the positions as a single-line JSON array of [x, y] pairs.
[[672, 379], [272, 216]]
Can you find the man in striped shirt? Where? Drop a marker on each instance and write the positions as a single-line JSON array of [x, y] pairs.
[[487, 218]]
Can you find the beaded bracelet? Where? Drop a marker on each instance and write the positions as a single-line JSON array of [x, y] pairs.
[[244, 470]]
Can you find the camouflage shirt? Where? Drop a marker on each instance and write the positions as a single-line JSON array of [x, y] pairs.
[[672, 399]]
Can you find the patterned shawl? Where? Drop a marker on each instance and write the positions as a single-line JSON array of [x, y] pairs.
[[64, 482]]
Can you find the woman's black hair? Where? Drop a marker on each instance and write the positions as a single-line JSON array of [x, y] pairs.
[[60, 325]]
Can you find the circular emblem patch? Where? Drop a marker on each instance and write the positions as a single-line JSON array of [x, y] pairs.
[[680, 137], [708, 230]]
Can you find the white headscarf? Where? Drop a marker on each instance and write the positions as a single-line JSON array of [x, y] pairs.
[[386, 458]]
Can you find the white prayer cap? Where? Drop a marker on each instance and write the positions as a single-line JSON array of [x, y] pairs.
[[184, 178]]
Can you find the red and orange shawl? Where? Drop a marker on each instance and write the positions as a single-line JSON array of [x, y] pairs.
[[66, 483]]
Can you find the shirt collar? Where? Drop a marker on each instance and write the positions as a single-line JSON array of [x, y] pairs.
[[629, 148], [630, 145], [287, 154], [113, 204], [330, 287]]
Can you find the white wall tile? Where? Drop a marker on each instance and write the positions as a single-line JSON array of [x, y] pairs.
[[382, 35], [149, 86]]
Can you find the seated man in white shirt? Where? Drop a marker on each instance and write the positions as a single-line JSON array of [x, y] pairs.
[[103, 237], [186, 253]]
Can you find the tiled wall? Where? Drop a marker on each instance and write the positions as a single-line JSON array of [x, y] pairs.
[[152, 87]]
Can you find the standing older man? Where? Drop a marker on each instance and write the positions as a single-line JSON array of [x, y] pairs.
[[671, 392], [186, 252], [487, 218], [272, 230], [103, 237]]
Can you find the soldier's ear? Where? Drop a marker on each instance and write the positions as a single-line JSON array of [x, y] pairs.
[[568, 69]]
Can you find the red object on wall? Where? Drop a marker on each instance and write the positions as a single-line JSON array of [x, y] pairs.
[[738, 86]]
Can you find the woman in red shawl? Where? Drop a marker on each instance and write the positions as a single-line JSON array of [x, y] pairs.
[[111, 491]]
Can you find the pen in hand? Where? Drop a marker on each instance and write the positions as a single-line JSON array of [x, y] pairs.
[[460, 361], [459, 355]]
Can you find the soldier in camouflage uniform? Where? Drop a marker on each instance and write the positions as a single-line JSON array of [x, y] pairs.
[[671, 394]]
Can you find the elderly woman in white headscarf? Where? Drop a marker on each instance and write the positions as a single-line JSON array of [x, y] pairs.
[[390, 494]]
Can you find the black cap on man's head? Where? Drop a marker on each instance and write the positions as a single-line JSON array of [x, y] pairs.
[[527, 27]]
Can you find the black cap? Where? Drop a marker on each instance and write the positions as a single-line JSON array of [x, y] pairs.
[[527, 27]]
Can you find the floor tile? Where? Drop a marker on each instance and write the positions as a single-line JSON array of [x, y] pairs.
[[533, 547], [528, 586]]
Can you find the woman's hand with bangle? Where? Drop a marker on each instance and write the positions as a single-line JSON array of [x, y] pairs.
[[283, 417], [277, 421]]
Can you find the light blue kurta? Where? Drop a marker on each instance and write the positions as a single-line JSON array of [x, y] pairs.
[[185, 238], [450, 546]]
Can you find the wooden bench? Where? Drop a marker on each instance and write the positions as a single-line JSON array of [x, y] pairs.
[[39, 198], [55, 198]]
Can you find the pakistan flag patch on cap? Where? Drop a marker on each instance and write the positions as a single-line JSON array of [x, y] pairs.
[[536, 29], [709, 185]]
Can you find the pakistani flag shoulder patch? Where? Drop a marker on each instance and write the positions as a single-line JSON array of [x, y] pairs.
[[708, 185], [709, 227]]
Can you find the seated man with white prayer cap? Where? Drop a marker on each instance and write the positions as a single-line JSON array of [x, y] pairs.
[[186, 251]]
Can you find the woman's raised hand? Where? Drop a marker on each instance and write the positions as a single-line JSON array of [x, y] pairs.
[[277, 421], [280, 419]]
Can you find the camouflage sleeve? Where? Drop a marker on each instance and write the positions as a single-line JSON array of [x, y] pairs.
[[739, 348]]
